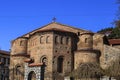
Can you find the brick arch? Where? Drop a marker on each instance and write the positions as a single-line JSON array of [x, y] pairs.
[[41, 39], [32, 75], [35, 69], [44, 59], [62, 40], [56, 39], [18, 71], [48, 39], [67, 40]]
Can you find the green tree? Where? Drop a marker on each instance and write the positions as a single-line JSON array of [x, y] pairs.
[[103, 31], [115, 34]]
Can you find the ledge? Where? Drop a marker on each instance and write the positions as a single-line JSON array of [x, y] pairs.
[[4, 52], [114, 41], [35, 64], [19, 54], [27, 60]]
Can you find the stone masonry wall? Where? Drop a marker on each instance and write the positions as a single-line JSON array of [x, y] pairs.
[[110, 54]]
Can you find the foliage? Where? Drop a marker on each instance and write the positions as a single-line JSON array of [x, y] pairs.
[[114, 33], [105, 30], [87, 70]]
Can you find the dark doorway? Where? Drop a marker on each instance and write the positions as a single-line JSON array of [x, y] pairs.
[[32, 76], [60, 64]]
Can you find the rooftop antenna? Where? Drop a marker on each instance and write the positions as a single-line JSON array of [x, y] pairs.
[[54, 19]]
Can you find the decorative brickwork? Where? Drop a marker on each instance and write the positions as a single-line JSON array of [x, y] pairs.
[[35, 69], [61, 48]]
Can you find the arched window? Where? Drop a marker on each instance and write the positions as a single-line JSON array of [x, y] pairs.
[[78, 33], [67, 40], [41, 39], [61, 40], [31, 76], [48, 39], [56, 39], [21, 43], [86, 40], [60, 65], [17, 70], [43, 59]]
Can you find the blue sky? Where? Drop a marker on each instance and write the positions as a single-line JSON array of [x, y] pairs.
[[18, 17]]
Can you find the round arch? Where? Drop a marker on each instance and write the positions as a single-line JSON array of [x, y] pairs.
[[48, 39], [60, 64], [44, 59], [19, 72], [41, 39], [31, 76]]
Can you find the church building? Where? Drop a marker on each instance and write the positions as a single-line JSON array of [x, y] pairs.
[[53, 50]]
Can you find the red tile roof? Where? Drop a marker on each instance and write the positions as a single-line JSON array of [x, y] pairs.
[[35, 64], [114, 41], [4, 52], [27, 60]]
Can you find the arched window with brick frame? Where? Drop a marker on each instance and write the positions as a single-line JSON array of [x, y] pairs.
[[41, 39], [67, 40], [19, 71], [62, 40], [48, 39], [44, 59], [56, 39]]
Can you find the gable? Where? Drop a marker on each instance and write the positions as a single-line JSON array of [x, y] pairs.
[[58, 26]]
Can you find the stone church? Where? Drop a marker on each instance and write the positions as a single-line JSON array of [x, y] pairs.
[[55, 49]]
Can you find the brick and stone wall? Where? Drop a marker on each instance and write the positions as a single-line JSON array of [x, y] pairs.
[[110, 54]]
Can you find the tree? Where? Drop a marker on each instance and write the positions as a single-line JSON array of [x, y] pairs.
[[115, 34], [112, 32], [87, 71], [103, 31]]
